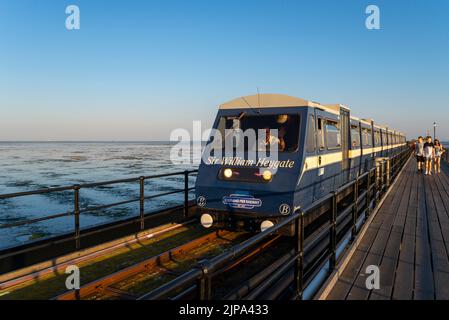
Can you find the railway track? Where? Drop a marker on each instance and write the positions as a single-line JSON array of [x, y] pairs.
[[248, 274], [47, 280], [142, 277], [133, 278], [39, 271], [231, 276]]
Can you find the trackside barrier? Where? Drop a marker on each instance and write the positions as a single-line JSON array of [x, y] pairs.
[[77, 211]]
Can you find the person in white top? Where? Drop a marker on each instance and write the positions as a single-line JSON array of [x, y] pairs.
[[439, 150], [429, 154]]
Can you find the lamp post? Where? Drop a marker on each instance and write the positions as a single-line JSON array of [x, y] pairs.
[[434, 131]]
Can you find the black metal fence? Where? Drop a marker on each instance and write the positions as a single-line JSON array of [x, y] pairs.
[[78, 211], [315, 244]]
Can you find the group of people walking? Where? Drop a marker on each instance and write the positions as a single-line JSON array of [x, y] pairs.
[[428, 152]]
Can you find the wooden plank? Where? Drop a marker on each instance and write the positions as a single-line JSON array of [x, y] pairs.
[[440, 260], [424, 285], [404, 280], [346, 280], [387, 274], [443, 205], [405, 270]]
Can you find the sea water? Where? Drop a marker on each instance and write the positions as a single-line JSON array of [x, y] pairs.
[[26, 166]]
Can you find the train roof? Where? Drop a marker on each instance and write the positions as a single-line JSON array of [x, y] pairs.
[[267, 100], [337, 107], [270, 100], [274, 100]]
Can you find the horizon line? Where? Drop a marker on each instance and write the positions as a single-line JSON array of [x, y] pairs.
[[78, 141]]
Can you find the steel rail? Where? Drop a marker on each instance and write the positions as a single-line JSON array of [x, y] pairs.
[[145, 265]]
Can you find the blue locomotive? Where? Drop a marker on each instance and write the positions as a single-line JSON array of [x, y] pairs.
[[318, 148]]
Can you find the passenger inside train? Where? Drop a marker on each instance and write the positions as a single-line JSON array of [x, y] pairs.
[[281, 131]]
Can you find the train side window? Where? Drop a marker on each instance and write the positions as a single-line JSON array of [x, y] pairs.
[[367, 137], [311, 139], [333, 136], [377, 138], [355, 136], [320, 126]]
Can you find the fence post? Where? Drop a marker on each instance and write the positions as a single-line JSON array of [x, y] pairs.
[[142, 203], [186, 193], [333, 233], [299, 250], [376, 186], [355, 209], [368, 195], [204, 284], [76, 212], [389, 170]]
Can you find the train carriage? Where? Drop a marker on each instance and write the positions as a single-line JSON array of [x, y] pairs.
[[320, 148]]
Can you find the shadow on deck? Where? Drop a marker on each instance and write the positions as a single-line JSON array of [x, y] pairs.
[[408, 240]]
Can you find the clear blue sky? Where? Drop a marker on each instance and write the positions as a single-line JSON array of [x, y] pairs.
[[138, 69]]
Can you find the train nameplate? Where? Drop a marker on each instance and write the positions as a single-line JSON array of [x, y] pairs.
[[238, 201]]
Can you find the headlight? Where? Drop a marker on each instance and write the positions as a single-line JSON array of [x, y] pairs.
[[227, 173], [206, 220], [266, 224], [267, 175]]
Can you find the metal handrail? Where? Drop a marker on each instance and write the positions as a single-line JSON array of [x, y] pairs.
[[77, 211], [201, 275]]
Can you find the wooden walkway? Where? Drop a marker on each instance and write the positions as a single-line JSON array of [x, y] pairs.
[[408, 240]]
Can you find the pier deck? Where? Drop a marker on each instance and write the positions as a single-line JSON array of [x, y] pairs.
[[408, 240]]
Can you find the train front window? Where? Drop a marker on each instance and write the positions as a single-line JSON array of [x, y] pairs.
[[268, 130]]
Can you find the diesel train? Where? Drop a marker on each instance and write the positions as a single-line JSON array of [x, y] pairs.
[[318, 149]]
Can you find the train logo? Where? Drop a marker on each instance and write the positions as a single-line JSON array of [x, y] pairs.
[[238, 201], [201, 201], [284, 209]]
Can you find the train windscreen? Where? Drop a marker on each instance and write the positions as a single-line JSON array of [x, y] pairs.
[[282, 130]]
